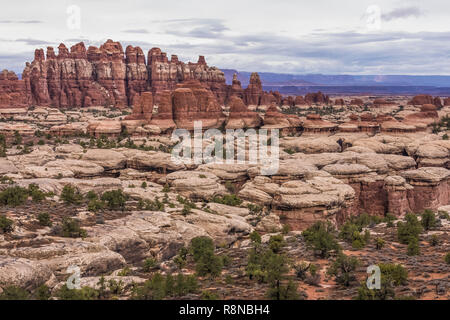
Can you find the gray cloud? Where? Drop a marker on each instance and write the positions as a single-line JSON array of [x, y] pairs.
[[20, 21], [403, 13], [33, 42], [194, 28], [135, 31]]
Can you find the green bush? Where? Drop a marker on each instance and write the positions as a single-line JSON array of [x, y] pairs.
[[200, 246], [343, 269], [447, 258], [228, 199], [206, 263], [208, 295], [14, 293], [96, 205], [434, 240], [379, 243], [42, 293], [181, 257], [85, 293], [281, 292], [91, 195], [36, 194], [413, 247], [71, 194], [160, 287], [6, 225], [13, 196], [320, 238], [209, 264], [276, 243], [395, 274], [255, 237], [150, 205], [428, 220], [409, 229], [70, 228], [392, 275], [115, 199], [44, 219], [149, 264]]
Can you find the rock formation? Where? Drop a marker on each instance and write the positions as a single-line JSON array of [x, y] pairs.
[[317, 98], [315, 124], [12, 91], [192, 102], [252, 94], [240, 117], [277, 120]]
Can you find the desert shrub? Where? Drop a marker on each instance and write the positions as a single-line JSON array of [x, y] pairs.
[[254, 209], [115, 199], [392, 275], [144, 185], [343, 269], [434, 240], [150, 205], [283, 292], [186, 210], [447, 258], [70, 228], [185, 285], [125, 272], [14, 293], [181, 257], [209, 264], [208, 295], [6, 225], [149, 264], [96, 205], [379, 243], [159, 287], [230, 187], [444, 215], [13, 196], [428, 220], [186, 202], [320, 238], [85, 293], [409, 229], [413, 247], [206, 262], [264, 265], [166, 188], [42, 293], [395, 274], [44, 219], [285, 229], [200, 246], [276, 243], [228, 199], [289, 151], [226, 260], [17, 138], [71, 194], [36, 194], [255, 237], [351, 232], [91, 195], [301, 270]]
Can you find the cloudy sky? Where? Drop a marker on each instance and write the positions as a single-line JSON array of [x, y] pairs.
[[284, 36]]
